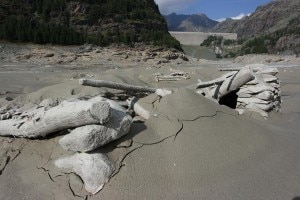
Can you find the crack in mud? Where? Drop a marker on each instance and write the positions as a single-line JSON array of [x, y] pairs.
[[122, 160], [166, 138], [10, 158], [73, 192]]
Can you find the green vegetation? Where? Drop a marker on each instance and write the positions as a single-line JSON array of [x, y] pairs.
[[221, 46], [116, 22], [266, 43], [212, 40], [25, 30], [229, 42]]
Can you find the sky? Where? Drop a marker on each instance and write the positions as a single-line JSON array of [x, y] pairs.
[[214, 9]]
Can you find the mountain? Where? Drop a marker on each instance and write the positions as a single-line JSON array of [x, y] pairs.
[[75, 22], [274, 28], [189, 23], [268, 18]]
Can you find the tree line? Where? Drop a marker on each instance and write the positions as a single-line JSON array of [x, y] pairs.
[[48, 21]]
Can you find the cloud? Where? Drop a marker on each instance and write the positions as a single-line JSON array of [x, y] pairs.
[[240, 16], [221, 20], [177, 6]]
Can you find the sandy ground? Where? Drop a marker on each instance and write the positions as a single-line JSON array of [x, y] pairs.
[[191, 148]]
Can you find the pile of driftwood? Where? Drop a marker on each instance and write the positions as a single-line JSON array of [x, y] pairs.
[[251, 88], [262, 94], [93, 123], [174, 76]]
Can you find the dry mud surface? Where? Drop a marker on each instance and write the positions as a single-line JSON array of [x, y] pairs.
[[191, 148]]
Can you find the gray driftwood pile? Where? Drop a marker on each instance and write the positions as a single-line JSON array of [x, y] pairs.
[[262, 94], [257, 88], [93, 123]]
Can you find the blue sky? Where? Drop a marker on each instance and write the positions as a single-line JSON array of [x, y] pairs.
[[214, 9]]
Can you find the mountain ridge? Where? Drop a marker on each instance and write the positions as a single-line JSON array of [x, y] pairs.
[[100, 22], [189, 23]]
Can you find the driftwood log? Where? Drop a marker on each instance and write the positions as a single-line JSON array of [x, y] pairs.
[[114, 85], [124, 86], [94, 169], [235, 82], [40, 122], [90, 137], [214, 82], [137, 108], [227, 83]]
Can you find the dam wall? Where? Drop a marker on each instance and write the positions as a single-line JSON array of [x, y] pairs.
[[196, 38]]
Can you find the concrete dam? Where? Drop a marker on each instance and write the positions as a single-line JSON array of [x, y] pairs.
[[196, 38]]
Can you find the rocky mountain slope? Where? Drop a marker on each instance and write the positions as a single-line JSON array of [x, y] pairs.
[[189, 23], [79, 21], [272, 28], [267, 18]]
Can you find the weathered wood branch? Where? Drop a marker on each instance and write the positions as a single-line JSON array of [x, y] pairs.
[[137, 108], [123, 86], [235, 82], [217, 81], [40, 122], [114, 85], [262, 70]]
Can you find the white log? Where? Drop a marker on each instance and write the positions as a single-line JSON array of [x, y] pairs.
[[266, 95], [256, 89], [41, 122], [94, 169], [270, 71], [252, 100], [217, 81], [114, 85], [264, 107], [270, 78], [263, 113], [122, 86], [163, 92], [242, 94], [137, 108], [90, 137], [262, 69], [204, 90], [235, 82], [275, 85]]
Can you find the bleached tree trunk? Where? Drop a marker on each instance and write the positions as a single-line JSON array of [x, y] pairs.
[[217, 81], [124, 86], [234, 82], [114, 85], [137, 108], [90, 137], [40, 122]]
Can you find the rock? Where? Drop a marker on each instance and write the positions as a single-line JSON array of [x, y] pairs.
[[170, 56], [8, 99], [49, 55], [28, 56], [183, 57], [163, 61], [94, 169]]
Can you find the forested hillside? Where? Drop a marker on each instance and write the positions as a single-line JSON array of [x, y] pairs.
[[100, 22]]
